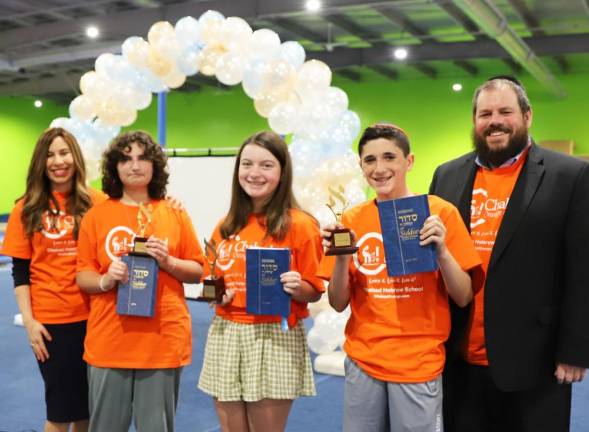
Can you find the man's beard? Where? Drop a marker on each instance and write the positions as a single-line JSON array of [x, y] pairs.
[[497, 157]]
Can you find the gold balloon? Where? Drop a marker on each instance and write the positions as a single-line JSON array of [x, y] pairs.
[[207, 59], [158, 64], [174, 79], [159, 31]]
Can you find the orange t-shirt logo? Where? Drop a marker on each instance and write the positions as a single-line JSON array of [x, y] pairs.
[[370, 257], [119, 241], [56, 226]]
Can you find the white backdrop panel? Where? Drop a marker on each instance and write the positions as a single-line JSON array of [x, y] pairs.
[[204, 185]]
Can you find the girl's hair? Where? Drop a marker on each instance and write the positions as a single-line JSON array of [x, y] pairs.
[[276, 210], [117, 151], [38, 197]]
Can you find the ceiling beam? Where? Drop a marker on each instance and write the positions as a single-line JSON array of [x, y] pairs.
[[56, 84], [473, 30], [345, 57], [535, 28], [397, 17], [364, 34], [298, 30], [489, 18], [138, 22], [387, 72], [349, 74], [349, 57], [428, 71], [468, 67]]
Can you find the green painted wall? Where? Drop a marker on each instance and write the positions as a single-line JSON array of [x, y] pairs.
[[20, 125], [437, 120]]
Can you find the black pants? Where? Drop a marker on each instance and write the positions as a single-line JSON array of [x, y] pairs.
[[473, 403]]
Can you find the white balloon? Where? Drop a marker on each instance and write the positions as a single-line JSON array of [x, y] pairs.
[[316, 118], [265, 44], [236, 34], [174, 79], [253, 77], [104, 63], [82, 107], [210, 15], [104, 133], [304, 156], [59, 122], [229, 68], [319, 345], [355, 194], [336, 99], [350, 121], [210, 25], [135, 50], [293, 52], [95, 86], [324, 216], [188, 61], [93, 169], [313, 76], [285, 117], [187, 32]]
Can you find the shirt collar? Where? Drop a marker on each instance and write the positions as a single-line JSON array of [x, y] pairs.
[[508, 162]]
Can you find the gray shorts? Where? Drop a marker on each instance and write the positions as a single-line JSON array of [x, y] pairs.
[[371, 405], [149, 396]]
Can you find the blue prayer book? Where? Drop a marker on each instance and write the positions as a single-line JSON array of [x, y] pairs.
[[137, 296], [265, 294], [400, 222]]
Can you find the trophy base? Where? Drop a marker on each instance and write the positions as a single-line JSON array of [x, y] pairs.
[[139, 247], [212, 291], [341, 251], [341, 243]]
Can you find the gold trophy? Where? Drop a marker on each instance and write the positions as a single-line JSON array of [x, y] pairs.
[[341, 238], [144, 218], [213, 288]]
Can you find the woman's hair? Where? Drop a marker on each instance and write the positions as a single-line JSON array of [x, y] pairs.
[[276, 211], [117, 152], [388, 131], [38, 198]]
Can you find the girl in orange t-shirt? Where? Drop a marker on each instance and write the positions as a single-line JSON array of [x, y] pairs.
[[41, 237], [134, 363], [398, 325], [252, 368]]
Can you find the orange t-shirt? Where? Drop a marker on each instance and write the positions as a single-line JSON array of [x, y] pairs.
[[398, 325], [120, 341], [304, 241], [55, 297], [490, 196]]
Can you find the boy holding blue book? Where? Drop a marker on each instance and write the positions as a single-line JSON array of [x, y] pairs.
[[398, 325]]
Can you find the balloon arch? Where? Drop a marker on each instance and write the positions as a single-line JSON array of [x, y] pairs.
[[293, 94]]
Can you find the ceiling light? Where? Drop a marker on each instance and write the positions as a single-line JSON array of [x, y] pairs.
[[38, 103], [313, 5], [92, 32], [457, 87], [400, 53]]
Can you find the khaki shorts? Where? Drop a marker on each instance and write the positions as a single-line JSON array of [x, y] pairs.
[[250, 362]]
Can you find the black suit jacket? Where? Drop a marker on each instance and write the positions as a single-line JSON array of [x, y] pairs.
[[537, 286]]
